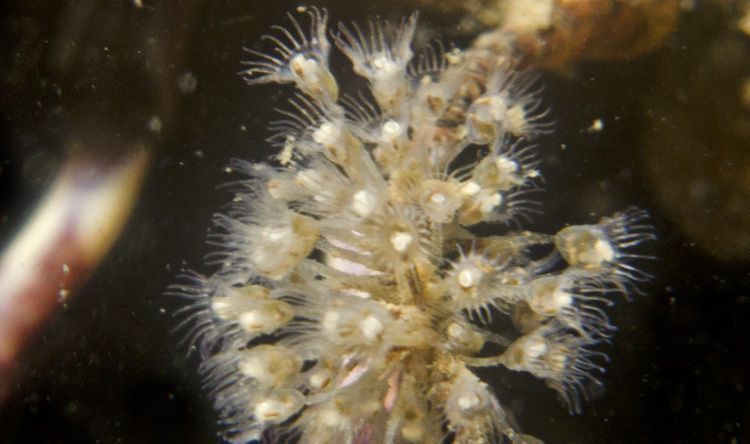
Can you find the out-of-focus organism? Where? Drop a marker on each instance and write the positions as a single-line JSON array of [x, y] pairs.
[[72, 229], [115, 73], [555, 34]]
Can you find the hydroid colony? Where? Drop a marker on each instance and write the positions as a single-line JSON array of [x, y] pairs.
[[352, 298]]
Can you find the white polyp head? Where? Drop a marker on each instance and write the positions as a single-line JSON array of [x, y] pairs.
[[235, 301], [401, 241], [255, 367], [266, 317], [320, 379], [305, 69], [498, 107], [253, 321], [353, 321], [440, 200], [561, 298], [331, 320], [548, 295], [384, 65], [456, 330], [468, 401], [278, 406], [363, 203], [470, 188], [220, 307], [603, 251], [469, 277], [534, 347], [277, 250], [527, 353], [586, 246], [268, 409], [489, 202], [515, 120], [390, 131], [463, 337], [467, 397], [467, 274], [387, 79], [269, 366], [313, 77], [437, 198], [327, 134], [371, 327], [505, 165], [497, 173]]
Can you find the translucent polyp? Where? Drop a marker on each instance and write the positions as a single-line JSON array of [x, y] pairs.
[[548, 295], [280, 248], [269, 366], [585, 246], [234, 301], [278, 406]]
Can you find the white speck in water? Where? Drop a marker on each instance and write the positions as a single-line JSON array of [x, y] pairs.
[[187, 83], [154, 124]]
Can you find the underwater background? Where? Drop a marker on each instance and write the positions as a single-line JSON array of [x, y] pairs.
[[674, 140]]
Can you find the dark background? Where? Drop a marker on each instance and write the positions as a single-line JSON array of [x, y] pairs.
[[107, 368]]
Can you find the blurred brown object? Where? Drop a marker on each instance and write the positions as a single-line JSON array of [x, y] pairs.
[[556, 33]]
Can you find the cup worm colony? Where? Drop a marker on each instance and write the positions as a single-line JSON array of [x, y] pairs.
[[353, 295]]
